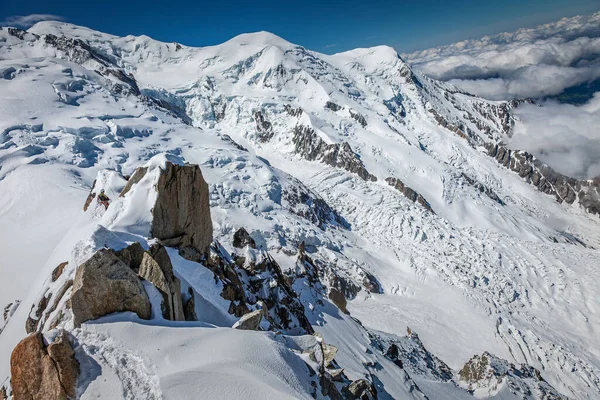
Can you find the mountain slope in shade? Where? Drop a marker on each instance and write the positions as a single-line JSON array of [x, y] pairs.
[[384, 178]]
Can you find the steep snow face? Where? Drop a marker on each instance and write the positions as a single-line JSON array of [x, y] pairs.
[[296, 147]]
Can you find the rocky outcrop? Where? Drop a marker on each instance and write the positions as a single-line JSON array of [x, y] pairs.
[[249, 321], [310, 146], [330, 105], [359, 118], [58, 271], [264, 129], [308, 205], [137, 176], [409, 193], [255, 283], [241, 239], [488, 374], [155, 267], [338, 299], [43, 372], [181, 215], [360, 389], [105, 284], [545, 179], [482, 188]]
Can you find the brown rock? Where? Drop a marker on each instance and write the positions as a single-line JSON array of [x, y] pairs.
[[137, 176], [43, 372], [182, 208], [58, 271], [104, 285], [339, 300], [157, 269]]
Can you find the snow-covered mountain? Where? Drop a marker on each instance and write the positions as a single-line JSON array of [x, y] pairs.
[[376, 199]]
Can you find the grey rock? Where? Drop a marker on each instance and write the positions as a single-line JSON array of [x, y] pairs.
[[182, 209], [409, 193], [250, 321], [241, 239], [103, 285]]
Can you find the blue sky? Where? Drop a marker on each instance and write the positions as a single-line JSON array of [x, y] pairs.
[[326, 26]]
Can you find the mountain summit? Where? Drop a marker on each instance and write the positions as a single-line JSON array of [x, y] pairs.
[[277, 219]]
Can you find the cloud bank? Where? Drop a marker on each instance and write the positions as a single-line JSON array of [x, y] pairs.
[[564, 136], [26, 21], [532, 63]]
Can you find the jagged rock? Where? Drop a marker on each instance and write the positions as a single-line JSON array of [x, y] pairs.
[[90, 197], [359, 118], [103, 285], [182, 210], [137, 176], [189, 309], [309, 145], [540, 175], [330, 105], [31, 325], [58, 271], [488, 373], [338, 299], [264, 129], [482, 188], [156, 268], [3, 394], [328, 387], [360, 389], [43, 372], [132, 255], [337, 375], [250, 321], [409, 193], [262, 286], [241, 239]]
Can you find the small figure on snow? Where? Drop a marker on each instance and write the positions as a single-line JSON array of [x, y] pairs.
[[103, 199]]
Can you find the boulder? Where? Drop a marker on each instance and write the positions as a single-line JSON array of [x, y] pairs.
[[157, 269], [103, 285], [181, 215], [58, 271], [250, 321], [241, 239], [338, 299], [360, 389], [43, 372]]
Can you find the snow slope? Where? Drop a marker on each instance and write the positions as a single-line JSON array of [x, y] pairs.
[[514, 273]]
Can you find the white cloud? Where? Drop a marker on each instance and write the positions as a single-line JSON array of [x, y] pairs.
[[564, 136], [26, 21], [526, 63]]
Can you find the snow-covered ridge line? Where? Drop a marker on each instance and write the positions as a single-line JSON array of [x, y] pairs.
[[285, 138]]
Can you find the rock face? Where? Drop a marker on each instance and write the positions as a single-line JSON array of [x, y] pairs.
[[241, 239], [487, 373], [532, 170], [410, 194], [250, 321], [338, 299], [310, 146], [360, 389], [181, 215], [43, 372], [103, 285], [157, 269]]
